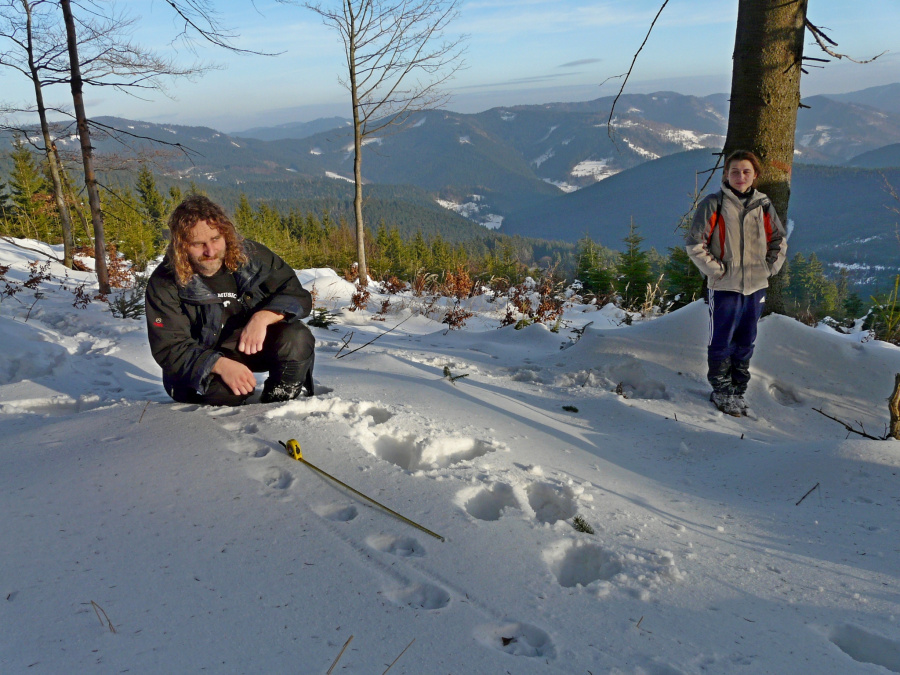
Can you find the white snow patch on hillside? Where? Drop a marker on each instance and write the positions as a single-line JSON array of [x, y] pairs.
[[475, 210], [315, 151], [639, 150], [331, 174], [692, 140], [616, 123], [819, 137], [507, 116], [597, 169], [562, 185], [550, 131], [465, 139], [366, 141], [492, 221], [543, 158], [419, 122]]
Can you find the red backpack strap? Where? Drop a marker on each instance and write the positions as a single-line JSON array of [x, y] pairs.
[[716, 223]]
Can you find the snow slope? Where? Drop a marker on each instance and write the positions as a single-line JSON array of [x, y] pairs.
[[192, 534]]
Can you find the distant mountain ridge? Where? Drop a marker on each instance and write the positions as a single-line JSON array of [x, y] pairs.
[[293, 129], [492, 164], [885, 97], [551, 171]]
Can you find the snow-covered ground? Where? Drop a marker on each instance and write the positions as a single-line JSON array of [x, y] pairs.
[[191, 534]]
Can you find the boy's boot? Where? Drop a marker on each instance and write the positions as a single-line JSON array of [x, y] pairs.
[[719, 376], [740, 378]]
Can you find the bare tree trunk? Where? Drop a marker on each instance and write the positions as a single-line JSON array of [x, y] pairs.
[[894, 407], [84, 134], [50, 150], [363, 271], [397, 60], [765, 97]]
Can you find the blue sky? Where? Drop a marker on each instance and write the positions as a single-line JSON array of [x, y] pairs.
[[519, 51]]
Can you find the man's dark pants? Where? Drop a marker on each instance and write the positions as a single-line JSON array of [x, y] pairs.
[[287, 355]]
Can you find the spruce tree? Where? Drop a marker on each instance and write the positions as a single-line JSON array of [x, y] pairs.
[[4, 201], [634, 273], [421, 253], [685, 280], [592, 269], [153, 205], [30, 196]]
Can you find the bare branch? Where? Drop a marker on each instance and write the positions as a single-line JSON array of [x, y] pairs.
[[821, 39], [848, 427], [199, 17], [630, 68]]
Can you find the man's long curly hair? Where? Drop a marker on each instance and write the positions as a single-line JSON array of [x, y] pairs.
[[183, 219]]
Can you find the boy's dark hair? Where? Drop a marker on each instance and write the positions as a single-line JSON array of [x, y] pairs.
[[739, 155]]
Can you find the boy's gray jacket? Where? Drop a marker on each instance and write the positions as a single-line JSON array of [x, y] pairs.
[[184, 323], [742, 248]]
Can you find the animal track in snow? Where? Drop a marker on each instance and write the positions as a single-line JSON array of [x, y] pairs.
[[413, 454], [635, 382], [339, 514], [221, 411], [277, 479], [865, 647], [56, 405], [518, 639], [333, 409], [551, 503], [30, 365], [489, 503], [526, 375], [582, 564], [405, 547], [785, 394], [244, 427], [420, 596]]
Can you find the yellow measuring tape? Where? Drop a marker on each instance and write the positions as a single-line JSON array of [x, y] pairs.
[[293, 449]]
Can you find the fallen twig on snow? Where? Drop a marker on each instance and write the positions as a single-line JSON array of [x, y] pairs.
[[807, 494], [851, 429], [338, 657], [103, 619], [398, 658], [340, 356]]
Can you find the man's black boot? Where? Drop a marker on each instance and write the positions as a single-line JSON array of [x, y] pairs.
[[288, 384]]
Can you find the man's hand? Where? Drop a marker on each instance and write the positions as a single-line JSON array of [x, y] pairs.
[[235, 375], [253, 334]]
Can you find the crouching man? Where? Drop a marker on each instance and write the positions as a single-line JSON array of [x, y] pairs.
[[220, 307]]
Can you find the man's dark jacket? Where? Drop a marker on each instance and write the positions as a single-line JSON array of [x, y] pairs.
[[184, 323]]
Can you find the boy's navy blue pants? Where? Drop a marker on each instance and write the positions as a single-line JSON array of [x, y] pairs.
[[733, 318]]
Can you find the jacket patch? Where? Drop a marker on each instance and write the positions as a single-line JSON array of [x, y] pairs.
[[158, 322]]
